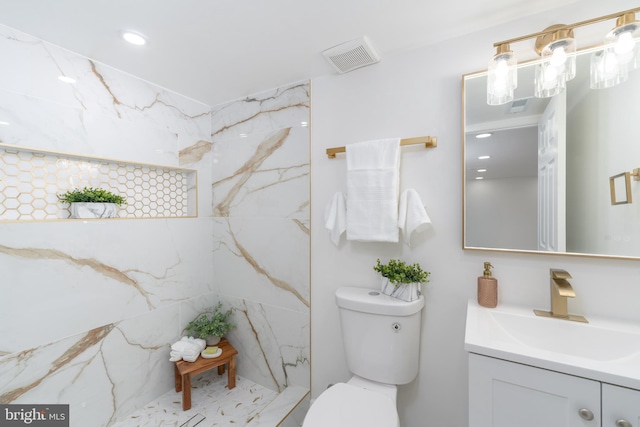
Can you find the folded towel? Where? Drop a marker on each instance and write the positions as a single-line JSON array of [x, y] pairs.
[[412, 217], [335, 217], [188, 348], [373, 178]]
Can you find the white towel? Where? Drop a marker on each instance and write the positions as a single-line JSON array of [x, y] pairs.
[[373, 178], [335, 217], [412, 217], [188, 348]]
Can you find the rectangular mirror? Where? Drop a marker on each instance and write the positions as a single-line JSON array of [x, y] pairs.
[[545, 186]]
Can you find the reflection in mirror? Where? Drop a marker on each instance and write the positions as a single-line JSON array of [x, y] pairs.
[[620, 186], [540, 181]]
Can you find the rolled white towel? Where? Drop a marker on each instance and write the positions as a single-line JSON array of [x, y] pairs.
[[412, 216]]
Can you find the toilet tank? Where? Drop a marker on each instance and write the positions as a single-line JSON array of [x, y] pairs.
[[381, 334]]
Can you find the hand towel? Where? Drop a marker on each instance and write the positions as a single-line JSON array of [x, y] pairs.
[[373, 178], [335, 217], [412, 217]]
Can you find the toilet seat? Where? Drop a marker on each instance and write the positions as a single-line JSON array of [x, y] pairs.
[[345, 405]]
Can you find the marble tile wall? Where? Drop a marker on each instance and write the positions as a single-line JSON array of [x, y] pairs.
[[260, 205], [89, 309]]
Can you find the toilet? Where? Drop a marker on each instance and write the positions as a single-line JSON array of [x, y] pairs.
[[381, 337]]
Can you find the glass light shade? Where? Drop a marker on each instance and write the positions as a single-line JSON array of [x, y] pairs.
[[606, 69], [503, 78], [561, 55], [624, 40], [548, 81]]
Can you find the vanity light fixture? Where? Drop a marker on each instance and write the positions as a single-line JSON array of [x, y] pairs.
[[483, 135], [557, 47], [484, 157], [481, 170], [478, 178], [134, 38]]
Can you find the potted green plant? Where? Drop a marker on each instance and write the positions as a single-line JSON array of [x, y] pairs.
[[211, 326], [90, 202], [401, 280]]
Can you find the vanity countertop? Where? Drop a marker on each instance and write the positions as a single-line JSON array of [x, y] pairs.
[[602, 350]]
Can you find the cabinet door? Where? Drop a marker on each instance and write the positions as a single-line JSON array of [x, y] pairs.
[[620, 404], [507, 394]]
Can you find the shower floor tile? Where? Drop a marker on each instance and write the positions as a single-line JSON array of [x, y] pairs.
[[211, 399]]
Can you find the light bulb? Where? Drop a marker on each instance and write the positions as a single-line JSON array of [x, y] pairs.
[[625, 43], [559, 57], [550, 74], [610, 62], [502, 69]]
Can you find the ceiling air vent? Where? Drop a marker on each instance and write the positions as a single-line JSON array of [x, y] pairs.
[[518, 105], [351, 55]]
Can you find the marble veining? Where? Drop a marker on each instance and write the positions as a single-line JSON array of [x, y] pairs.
[[245, 172], [99, 267], [282, 107], [260, 208], [276, 340], [90, 339], [278, 283], [194, 153]]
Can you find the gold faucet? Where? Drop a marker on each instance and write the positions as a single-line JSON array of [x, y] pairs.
[[561, 289]]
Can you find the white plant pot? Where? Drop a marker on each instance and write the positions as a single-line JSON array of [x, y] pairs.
[[93, 210], [404, 291], [211, 340]]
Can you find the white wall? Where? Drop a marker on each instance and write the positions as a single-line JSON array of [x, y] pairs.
[[419, 93]]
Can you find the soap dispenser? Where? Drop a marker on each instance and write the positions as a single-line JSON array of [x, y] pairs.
[[487, 288]]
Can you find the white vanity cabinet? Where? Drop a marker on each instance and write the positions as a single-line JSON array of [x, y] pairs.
[[508, 394], [619, 406]]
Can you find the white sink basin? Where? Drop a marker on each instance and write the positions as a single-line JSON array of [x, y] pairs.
[[603, 350]]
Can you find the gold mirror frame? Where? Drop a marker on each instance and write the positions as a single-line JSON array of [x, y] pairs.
[[464, 190]]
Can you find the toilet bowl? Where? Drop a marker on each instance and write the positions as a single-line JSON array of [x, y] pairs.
[[358, 402]]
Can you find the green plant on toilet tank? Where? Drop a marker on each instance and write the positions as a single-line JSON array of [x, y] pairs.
[[401, 280], [211, 324]]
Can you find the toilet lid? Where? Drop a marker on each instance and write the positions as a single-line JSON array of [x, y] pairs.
[[344, 405]]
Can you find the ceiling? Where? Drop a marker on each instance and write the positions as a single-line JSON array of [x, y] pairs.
[[216, 51]]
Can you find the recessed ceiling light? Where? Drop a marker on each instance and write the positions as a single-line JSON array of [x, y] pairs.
[[66, 79], [479, 177], [134, 38], [483, 135], [484, 157], [481, 170]]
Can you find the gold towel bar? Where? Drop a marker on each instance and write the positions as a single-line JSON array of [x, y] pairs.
[[428, 141]]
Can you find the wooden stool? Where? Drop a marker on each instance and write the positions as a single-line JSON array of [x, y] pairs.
[[184, 370]]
